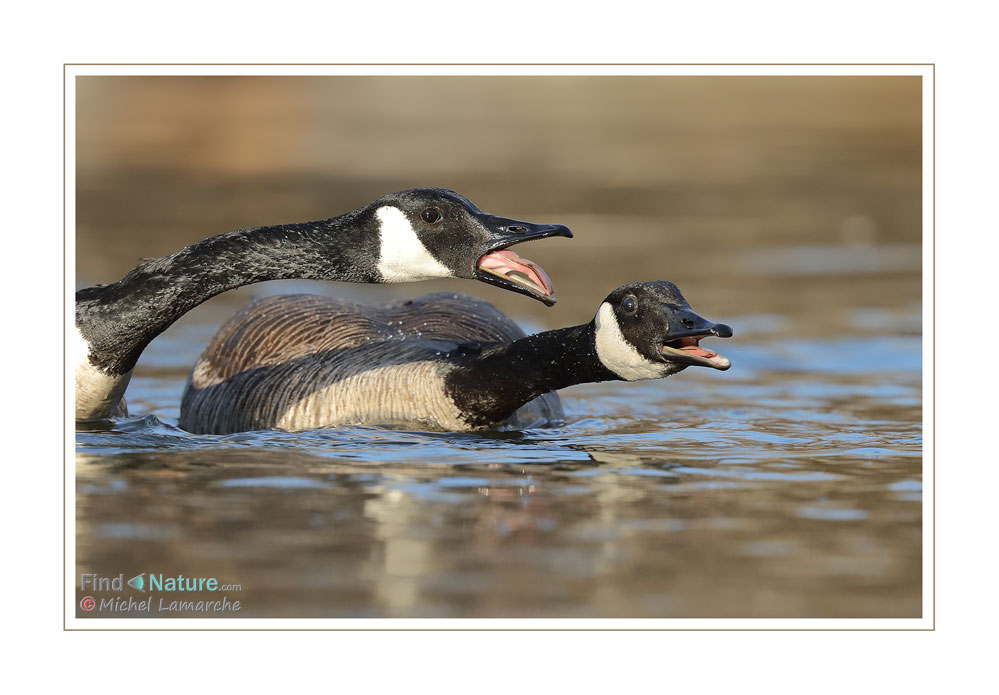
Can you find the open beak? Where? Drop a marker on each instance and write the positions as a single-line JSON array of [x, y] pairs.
[[682, 346], [502, 267]]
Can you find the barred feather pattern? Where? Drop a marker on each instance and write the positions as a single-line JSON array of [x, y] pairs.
[[297, 362]]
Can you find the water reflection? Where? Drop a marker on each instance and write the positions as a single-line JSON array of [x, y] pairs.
[[725, 510]]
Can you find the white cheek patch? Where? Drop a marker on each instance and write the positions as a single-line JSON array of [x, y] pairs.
[[617, 354], [402, 256]]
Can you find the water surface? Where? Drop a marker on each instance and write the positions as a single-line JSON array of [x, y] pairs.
[[788, 486]]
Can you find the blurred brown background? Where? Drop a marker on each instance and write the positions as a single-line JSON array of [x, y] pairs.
[[743, 190]]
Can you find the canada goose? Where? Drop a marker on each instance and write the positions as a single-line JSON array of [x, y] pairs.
[[440, 362], [411, 235]]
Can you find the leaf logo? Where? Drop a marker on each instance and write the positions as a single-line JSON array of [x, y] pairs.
[[138, 582]]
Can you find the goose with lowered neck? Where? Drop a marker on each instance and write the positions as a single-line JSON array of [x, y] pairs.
[[440, 362], [410, 235]]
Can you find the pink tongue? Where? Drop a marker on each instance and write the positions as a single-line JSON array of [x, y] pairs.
[[690, 345], [699, 351], [713, 357], [506, 262]]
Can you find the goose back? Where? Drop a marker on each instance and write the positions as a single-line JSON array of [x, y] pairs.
[[298, 362]]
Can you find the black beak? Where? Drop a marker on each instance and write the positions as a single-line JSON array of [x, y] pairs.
[[503, 268], [681, 344], [685, 323], [504, 232]]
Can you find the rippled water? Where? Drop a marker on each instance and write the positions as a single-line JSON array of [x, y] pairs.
[[788, 486]]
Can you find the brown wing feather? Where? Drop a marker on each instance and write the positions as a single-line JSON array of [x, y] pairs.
[[268, 365], [277, 329]]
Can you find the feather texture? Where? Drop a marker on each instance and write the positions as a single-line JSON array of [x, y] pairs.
[[299, 362]]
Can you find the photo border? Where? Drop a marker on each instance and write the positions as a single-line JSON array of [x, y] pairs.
[[927, 71]]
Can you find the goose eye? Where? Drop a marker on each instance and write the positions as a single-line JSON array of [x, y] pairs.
[[431, 215], [629, 305]]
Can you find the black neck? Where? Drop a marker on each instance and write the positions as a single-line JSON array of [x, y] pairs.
[[120, 319], [489, 385]]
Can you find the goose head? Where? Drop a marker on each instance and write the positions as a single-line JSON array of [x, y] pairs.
[[646, 330], [432, 232]]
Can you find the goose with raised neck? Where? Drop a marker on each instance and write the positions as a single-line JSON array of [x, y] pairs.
[[411, 235]]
